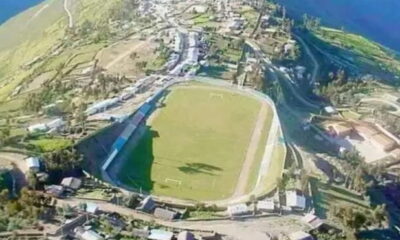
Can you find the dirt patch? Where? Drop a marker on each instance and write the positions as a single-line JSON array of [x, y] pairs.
[[122, 58], [37, 82]]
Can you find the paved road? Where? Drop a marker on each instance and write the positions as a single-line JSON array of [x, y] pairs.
[[312, 57]]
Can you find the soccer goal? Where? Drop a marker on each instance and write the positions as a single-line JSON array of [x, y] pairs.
[[216, 95], [173, 181]]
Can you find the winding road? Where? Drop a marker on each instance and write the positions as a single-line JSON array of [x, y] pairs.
[[70, 18], [312, 57]]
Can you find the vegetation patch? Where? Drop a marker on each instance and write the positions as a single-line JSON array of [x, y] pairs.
[[51, 144], [360, 49]]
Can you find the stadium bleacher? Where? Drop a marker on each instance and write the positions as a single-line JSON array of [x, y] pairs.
[[120, 142]]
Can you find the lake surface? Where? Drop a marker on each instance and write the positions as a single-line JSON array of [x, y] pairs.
[[378, 20], [10, 8]]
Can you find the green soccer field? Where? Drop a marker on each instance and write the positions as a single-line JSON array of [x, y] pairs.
[[195, 144]]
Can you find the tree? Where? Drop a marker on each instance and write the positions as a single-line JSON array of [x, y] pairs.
[[379, 215], [64, 159], [133, 55], [141, 65], [353, 157], [4, 196], [81, 116]]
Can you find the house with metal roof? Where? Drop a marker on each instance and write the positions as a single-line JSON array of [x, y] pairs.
[[71, 183], [185, 235], [159, 234], [165, 214], [238, 209], [141, 233], [147, 205], [295, 200], [89, 235], [41, 127], [92, 208], [266, 205], [300, 235], [54, 190], [33, 163]]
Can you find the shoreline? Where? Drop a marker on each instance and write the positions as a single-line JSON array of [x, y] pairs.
[[16, 9]]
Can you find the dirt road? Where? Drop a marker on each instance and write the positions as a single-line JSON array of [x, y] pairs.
[[251, 151], [254, 229], [70, 18]]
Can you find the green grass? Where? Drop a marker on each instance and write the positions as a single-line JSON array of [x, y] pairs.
[[351, 115], [250, 14], [196, 139], [36, 31], [364, 50], [228, 53], [96, 194], [203, 215], [217, 71], [51, 144], [201, 19]]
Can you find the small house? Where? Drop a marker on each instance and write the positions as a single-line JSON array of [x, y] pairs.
[[158, 234], [300, 235], [340, 130], [41, 127], [55, 124], [209, 236], [295, 200], [165, 214], [33, 164], [89, 235], [147, 205], [238, 209], [141, 233], [330, 110], [92, 208], [185, 235], [313, 221], [54, 190], [71, 183], [266, 205]]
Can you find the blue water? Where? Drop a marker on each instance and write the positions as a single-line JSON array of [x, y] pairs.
[[10, 8], [378, 20]]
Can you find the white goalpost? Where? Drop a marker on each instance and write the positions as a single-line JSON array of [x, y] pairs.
[[174, 181], [216, 95]]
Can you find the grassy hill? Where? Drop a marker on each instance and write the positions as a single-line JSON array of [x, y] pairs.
[[358, 50], [34, 36]]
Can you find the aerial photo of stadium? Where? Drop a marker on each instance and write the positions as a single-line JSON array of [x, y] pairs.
[[200, 142]]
